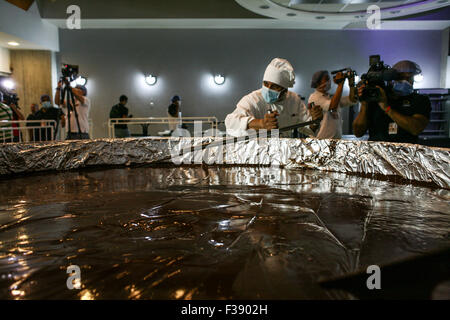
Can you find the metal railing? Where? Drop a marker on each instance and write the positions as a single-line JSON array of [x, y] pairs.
[[27, 131], [212, 122]]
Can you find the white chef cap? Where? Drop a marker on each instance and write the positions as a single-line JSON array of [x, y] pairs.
[[281, 72]]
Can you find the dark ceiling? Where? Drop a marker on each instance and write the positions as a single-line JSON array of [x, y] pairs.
[[147, 9]]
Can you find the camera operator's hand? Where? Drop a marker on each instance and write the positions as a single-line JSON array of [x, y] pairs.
[[339, 78], [361, 88], [351, 81], [383, 103]]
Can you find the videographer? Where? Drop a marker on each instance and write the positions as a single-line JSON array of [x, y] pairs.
[[82, 108], [120, 111], [6, 114], [331, 125], [400, 114], [17, 116]]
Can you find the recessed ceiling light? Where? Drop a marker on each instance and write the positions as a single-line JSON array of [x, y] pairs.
[[320, 17], [14, 43], [291, 14], [264, 6], [395, 11], [442, 1]]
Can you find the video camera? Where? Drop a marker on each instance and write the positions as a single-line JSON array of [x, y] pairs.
[[8, 96], [347, 72], [69, 72], [379, 74]]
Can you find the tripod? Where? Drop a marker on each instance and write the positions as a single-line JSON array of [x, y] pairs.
[[69, 99]]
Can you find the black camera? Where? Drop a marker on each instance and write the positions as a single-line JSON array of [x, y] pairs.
[[380, 75], [11, 98], [8, 96], [69, 72], [347, 72]]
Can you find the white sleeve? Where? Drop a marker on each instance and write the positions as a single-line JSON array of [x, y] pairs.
[[320, 100], [237, 121], [346, 102], [305, 116]]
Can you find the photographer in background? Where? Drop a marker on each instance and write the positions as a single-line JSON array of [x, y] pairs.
[[12, 102], [120, 111], [6, 114], [331, 125], [82, 107], [173, 112], [400, 114]]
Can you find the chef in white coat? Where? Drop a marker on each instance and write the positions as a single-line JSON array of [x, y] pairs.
[[287, 108]]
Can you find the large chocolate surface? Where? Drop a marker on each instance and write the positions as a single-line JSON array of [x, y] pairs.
[[207, 233]]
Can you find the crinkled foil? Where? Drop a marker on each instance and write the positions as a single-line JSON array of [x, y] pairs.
[[411, 162]]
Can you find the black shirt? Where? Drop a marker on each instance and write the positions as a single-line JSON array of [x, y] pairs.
[[173, 110], [48, 114], [379, 122], [36, 134], [118, 111]]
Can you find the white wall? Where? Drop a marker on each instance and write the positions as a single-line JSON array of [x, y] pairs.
[[447, 82], [184, 60], [28, 25], [4, 60]]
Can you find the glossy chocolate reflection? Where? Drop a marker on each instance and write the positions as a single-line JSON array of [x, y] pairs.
[[207, 233]]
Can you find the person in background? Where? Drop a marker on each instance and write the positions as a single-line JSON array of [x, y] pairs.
[[82, 106], [33, 133], [49, 112], [6, 114], [400, 115], [286, 107], [17, 116], [120, 111], [331, 125], [173, 112]]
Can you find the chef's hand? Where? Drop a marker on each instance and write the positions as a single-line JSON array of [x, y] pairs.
[[270, 121]]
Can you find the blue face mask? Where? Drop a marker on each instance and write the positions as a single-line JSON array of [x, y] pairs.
[[403, 87], [47, 104], [269, 95]]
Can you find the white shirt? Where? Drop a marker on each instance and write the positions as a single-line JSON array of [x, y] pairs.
[[83, 116], [253, 106], [331, 125], [173, 122]]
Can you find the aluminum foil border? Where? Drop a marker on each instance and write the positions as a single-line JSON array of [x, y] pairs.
[[412, 162]]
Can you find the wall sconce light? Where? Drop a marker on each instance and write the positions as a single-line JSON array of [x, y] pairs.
[[150, 80], [219, 79]]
